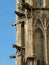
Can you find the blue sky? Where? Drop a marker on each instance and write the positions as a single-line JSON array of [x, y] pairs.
[[7, 32]]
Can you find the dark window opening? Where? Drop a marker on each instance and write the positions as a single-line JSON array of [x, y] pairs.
[[38, 62], [23, 34]]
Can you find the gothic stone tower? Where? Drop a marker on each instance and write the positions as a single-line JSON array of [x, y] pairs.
[[32, 32]]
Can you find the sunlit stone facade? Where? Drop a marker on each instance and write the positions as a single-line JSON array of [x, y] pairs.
[[32, 32]]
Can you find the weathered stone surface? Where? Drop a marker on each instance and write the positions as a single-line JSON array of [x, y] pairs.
[[33, 34]]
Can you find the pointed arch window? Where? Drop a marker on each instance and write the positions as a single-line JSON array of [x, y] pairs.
[[39, 46]]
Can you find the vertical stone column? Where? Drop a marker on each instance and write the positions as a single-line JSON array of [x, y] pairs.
[[26, 41], [45, 44], [18, 35], [44, 3], [29, 40], [29, 34]]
